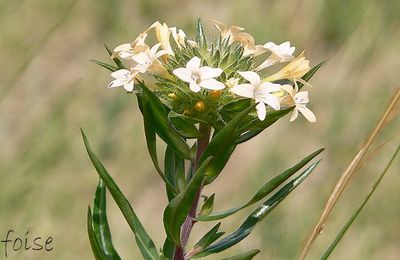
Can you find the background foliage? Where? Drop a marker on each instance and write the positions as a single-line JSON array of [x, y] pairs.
[[48, 89]]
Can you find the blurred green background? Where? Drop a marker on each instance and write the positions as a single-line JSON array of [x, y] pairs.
[[48, 89]]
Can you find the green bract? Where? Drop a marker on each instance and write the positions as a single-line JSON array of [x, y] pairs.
[[214, 92]]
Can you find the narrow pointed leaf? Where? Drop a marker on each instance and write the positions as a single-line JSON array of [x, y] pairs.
[[265, 190], [105, 65], [256, 216], [222, 145], [100, 223], [174, 168], [207, 206], [115, 59], [353, 217], [184, 127], [144, 242], [168, 249], [176, 211], [94, 243], [311, 73], [244, 256], [158, 119], [151, 142], [209, 237], [255, 127]]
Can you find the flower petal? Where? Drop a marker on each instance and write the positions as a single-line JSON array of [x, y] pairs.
[[301, 97], [268, 87], [116, 83], [129, 86], [212, 84], [244, 90], [294, 115], [307, 113], [122, 73], [193, 64], [271, 101], [288, 88], [208, 72], [261, 111], [271, 60], [183, 73], [194, 87], [251, 76]]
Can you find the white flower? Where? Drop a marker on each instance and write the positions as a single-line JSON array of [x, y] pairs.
[[279, 53], [148, 60], [123, 78], [261, 92], [199, 77], [235, 33], [300, 100], [179, 36]]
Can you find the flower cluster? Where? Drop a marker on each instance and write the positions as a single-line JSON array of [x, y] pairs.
[[198, 77]]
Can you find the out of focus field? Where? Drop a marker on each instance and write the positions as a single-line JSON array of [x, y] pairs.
[[48, 89]]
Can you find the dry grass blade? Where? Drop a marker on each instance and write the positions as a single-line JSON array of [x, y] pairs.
[[346, 176]]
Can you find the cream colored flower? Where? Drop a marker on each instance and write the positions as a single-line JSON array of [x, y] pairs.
[[235, 33], [279, 53], [127, 50], [199, 77], [179, 36], [261, 92], [162, 33], [293, 71], [232, 82], [300, 100]]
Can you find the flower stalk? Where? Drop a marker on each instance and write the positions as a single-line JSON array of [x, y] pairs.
[[187, 226]]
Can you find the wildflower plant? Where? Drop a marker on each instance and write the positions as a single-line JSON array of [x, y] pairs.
[[203, 98]]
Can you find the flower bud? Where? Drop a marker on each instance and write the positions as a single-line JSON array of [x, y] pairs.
[[215, 94], [200, 106], [173, 96]]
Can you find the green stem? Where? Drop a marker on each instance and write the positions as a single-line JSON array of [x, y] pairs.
[[187, 226]]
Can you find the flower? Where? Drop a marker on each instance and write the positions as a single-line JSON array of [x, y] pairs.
[[123, 78], [199, 77], [279, 53], [162, 33], [148, 60], [235, 33], [261, 92], [179, 36], [127, 50], [292, 71], [300, 100], [232, 82]]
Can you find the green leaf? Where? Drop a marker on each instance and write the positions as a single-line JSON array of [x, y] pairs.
[[265, 190], [256, 216], [97, 252], [115, 59], [222, 145], [151, 142], [174, 168], [157, 118], [105, 65], [100, 223], [209, 237], [353, 217], [244, 256], [255, 127], [311, 73], [144, 242], [200, 37], [207, 206], [184, 127], [176, 211], [229, 110], [168, 249]]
